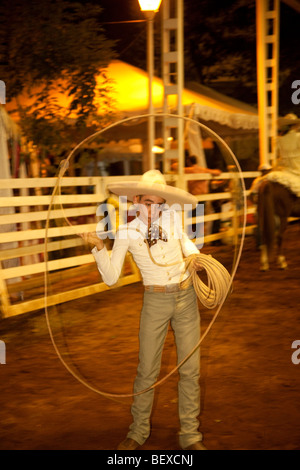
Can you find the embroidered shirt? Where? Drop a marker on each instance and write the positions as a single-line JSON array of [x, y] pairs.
[[132, 237]]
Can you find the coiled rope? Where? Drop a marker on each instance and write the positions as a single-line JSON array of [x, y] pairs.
[[219, 280]]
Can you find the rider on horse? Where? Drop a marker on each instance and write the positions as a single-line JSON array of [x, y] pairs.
[[287, 168], [278, 192]]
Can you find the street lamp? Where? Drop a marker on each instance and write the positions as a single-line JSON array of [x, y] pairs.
[[149, 8], [149, 5]]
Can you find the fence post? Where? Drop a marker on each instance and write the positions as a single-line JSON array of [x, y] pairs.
[[5, 302], [235, 191]]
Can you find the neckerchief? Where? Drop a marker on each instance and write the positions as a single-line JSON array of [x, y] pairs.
[[155, 233]]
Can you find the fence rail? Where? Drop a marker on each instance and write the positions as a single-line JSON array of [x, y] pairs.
[[24, 210]]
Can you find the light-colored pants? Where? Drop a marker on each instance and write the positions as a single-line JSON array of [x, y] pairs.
[[158, 310]]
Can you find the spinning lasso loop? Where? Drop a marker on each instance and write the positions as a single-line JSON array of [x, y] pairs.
[[219, 280]]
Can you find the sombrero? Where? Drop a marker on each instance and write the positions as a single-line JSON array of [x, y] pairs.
[[288, 119], [153, 183], [265, 167]]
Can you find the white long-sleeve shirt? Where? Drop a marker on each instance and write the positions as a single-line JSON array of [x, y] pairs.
[[131, 237], [289, 152]]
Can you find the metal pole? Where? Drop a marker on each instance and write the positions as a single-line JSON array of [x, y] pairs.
[[180, 85], [150, 66], [267, 26], [261, 80], [173, 79]]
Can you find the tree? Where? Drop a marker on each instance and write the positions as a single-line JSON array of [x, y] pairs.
[[220, 41], [52, 45]]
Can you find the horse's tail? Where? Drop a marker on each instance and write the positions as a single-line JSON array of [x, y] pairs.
[[266, 216]]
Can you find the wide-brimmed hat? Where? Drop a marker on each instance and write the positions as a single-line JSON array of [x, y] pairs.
[[265, 167], [153, 183], [288, 119]]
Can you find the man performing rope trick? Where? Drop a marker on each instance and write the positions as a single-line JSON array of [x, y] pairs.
[[168, 261]]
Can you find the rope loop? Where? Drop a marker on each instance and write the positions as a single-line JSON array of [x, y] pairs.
[[219, 279], [211, 295]]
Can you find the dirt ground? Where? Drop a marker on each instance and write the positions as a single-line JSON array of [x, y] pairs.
[[250, 386]]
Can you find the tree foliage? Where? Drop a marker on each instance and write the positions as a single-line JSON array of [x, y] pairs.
[[220, 39], [49, 46]]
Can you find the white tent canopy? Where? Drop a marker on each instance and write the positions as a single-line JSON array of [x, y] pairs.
[[131, 88]]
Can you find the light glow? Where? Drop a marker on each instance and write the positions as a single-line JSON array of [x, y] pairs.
[[149, 5], [129, 91], [157, 149]]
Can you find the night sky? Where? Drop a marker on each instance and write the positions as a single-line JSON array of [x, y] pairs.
[[127, 10], [131, 37]]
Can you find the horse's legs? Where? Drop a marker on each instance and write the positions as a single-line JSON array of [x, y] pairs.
[[264, 262], [281, 261]]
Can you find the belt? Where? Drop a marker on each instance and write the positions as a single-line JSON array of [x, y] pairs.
[[170, 288]]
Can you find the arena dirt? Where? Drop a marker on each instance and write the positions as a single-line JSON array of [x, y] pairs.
[[250, 386]]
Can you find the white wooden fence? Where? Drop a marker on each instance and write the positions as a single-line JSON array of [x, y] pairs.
[[70, 267]]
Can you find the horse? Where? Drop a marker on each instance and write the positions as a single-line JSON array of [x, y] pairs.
[[276, 203]]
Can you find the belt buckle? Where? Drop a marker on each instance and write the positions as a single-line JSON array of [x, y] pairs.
[[170, 288]]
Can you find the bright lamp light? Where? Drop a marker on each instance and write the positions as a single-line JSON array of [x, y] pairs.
[[149, 5], [157, 149]]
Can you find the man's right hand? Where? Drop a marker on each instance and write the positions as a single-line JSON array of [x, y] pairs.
[[93, 239]]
